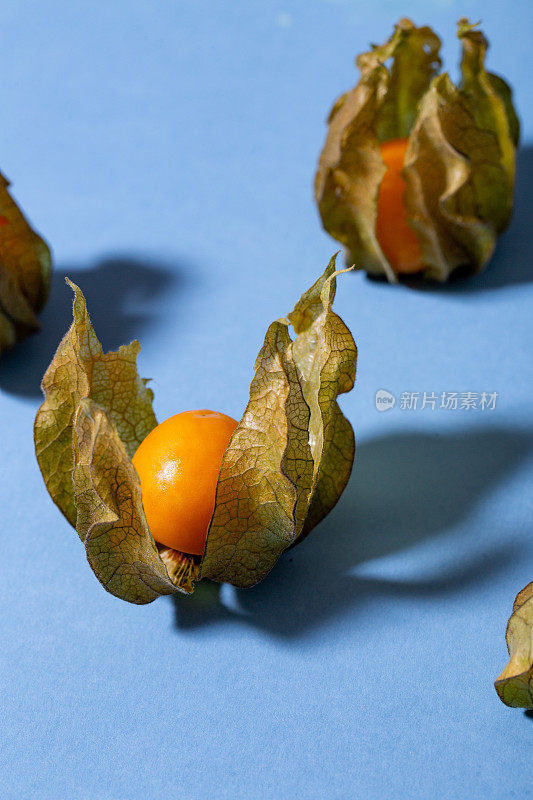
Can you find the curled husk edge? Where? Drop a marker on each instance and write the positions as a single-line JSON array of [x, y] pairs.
[[460, 162], [285, 467]]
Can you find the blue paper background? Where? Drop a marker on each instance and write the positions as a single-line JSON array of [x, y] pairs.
[[167, 150]]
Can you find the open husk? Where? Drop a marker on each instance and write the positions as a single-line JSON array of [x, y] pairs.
[[285, 467]]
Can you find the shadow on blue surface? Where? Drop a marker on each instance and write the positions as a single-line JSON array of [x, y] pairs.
[[405, 488], [512, 262], [121, 294]]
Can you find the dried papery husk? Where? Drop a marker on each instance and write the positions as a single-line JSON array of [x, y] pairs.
[[285, 467], [515, 684], [25, 272], [460, 159]]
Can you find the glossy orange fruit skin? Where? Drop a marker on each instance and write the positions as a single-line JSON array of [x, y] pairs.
[[395, 236], [178, 465]]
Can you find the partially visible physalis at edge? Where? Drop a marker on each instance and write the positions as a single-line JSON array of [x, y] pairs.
[[25, 271], [417, 174]]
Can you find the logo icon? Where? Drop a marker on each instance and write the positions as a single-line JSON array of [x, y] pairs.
[[384, 400]]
